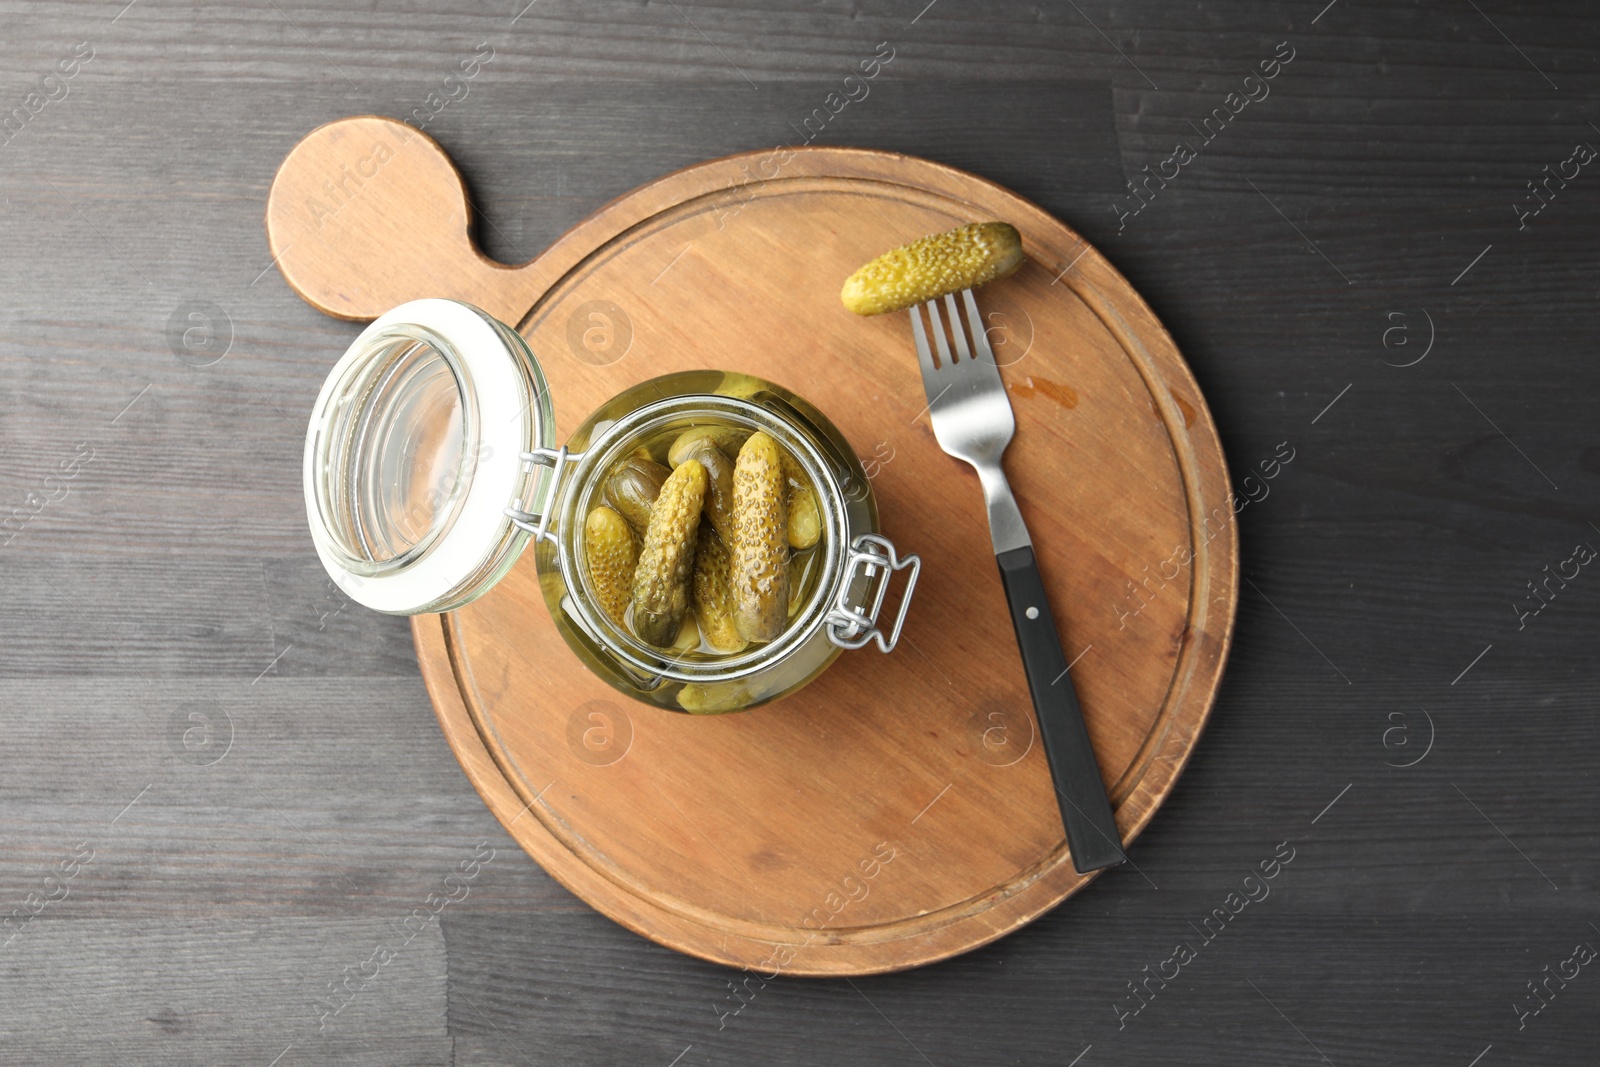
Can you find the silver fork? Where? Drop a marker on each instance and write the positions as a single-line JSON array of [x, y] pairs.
[[973, 421]]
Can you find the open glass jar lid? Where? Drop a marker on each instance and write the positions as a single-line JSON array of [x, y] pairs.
[[430, 464], [414, 453]]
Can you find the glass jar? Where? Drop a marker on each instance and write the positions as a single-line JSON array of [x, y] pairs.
[[431, 462]]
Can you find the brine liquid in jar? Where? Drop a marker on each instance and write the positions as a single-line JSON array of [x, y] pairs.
[[685, 533]]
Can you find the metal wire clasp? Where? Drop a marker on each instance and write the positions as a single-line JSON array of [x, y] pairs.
[[539, 524], [852, 627]]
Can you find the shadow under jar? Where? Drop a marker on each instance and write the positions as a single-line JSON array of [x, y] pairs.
[[431, 462]]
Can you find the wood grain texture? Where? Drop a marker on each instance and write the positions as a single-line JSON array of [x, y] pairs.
[[200, 975], [1395, 542], [734, 264]]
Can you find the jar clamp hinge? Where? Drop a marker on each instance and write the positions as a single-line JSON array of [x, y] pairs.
[[852, 627], [539, 524]]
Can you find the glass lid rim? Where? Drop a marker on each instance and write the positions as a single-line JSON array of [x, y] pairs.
[[381, 346]]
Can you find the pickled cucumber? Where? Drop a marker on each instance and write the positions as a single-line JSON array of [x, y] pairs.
[[661, 580], [698, 699], [727, 438], [699, 444], [760, 575], [805, 521], [933, 266], [712, 595], [688, 635], [612, 552], [632, 487]]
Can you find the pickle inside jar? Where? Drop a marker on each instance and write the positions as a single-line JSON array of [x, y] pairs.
[[629, 489]]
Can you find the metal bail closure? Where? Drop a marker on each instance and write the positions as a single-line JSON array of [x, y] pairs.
[[850, 626], [538, 524]]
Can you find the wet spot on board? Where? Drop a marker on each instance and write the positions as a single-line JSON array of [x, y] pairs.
[[769, 859], [1184, 407], [1064, 395], [1187, 409]]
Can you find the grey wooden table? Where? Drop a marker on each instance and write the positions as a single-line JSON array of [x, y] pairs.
[[220, 786]]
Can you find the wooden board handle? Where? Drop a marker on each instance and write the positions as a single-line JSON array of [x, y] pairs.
[[366, 213]]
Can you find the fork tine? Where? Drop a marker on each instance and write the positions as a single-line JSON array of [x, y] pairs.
[[924, 353], [938, 332], [962, 352], [980, 336]]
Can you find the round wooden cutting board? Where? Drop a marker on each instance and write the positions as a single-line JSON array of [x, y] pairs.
[[899, 809]]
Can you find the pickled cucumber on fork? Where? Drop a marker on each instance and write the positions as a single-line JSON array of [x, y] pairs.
[[932, 266], [612, 552], [760, 574], [661, 579]]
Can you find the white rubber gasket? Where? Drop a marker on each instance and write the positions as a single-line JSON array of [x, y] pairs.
[[500, 393]]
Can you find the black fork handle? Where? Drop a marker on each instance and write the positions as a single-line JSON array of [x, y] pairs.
[[1092, 835]]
